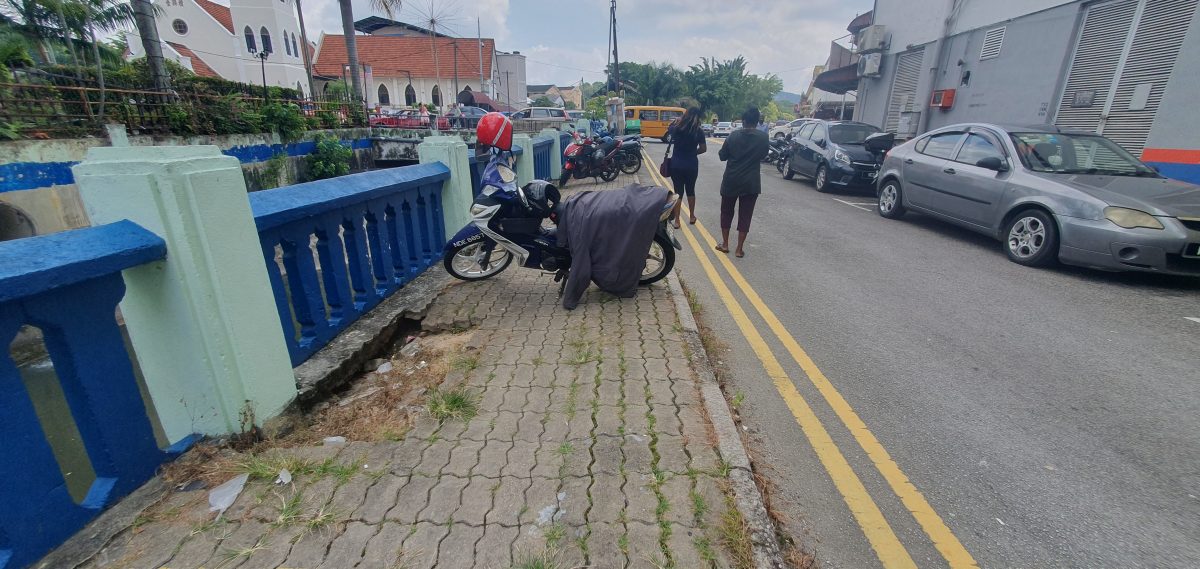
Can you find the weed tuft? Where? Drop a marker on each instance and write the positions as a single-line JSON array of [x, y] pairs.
[[455, 403]]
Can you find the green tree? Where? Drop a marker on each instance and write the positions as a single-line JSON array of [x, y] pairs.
[[593, 109], [388, 7], [651, 83], [570, 105], [543, 101]]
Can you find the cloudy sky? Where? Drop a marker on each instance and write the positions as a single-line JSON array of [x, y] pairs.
[[566, 40]]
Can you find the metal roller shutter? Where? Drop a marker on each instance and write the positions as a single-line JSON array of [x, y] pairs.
[[904, 87], [1097, 53], [1156, 45], [1127, 77]]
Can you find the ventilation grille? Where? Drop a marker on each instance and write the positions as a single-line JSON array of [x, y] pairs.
[[993, 40]]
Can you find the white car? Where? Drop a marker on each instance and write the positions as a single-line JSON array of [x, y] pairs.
[[723, 129], [790, 128]]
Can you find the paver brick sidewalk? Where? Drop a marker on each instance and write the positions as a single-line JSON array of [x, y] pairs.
[[591, 446]]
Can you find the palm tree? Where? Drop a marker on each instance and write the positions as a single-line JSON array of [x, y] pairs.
[[388, 7]]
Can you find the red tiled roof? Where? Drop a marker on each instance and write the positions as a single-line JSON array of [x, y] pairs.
[[218, 12], [198, 66], [393, 55]]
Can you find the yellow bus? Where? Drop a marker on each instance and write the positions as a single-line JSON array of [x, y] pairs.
[[651, 121]]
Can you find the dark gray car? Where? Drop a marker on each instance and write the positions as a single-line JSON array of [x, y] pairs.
[[1048, 195]]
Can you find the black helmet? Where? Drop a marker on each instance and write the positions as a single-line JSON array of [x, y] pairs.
[[543, 197]]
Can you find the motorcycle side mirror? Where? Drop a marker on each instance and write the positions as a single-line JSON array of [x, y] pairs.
[[994, 163]]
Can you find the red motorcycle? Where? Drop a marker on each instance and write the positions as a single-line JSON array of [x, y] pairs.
[[588, 159]]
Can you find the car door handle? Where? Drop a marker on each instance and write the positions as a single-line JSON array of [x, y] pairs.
[[908, 160], [949, 170]]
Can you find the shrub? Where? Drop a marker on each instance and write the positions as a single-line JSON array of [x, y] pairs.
[[179, 119], [329, 159], [286, 119]]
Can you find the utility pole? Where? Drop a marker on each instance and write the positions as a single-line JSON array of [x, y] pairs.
[[454, 42], [616, 58], [508, 89], [312, 90], [479, 41]]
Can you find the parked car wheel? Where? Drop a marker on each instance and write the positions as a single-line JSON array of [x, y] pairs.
[[1031, 238], [891, 202], [821, 180], [788, 172]]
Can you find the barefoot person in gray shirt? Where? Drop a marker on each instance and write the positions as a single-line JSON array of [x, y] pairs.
[[743, 151]]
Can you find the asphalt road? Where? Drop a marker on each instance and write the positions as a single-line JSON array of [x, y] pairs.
[[1050, 417]]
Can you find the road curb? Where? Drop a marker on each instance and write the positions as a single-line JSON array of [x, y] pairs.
[[746, 494]]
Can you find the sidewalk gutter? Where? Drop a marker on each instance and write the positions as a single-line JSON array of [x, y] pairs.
[[729, 442]]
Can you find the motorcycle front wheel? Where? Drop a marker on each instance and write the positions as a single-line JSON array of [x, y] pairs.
[[660, 259], [780, 164], [466, 262], [631, 162], [610, 171], [562, 180]]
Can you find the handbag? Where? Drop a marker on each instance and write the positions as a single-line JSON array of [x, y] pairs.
[[664, 169]]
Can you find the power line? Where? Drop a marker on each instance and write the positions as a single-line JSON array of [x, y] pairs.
[[564, 66]]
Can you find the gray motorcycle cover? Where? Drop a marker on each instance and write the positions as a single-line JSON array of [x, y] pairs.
[[609, 233]]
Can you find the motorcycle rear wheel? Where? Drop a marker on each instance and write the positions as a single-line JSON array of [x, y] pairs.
[[465, 262], [562, 180], [631, 162], [660, 259]]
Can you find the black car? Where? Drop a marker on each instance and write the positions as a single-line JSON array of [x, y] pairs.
[[837, 154]]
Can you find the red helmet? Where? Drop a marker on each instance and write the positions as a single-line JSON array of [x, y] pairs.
[[496, 130]]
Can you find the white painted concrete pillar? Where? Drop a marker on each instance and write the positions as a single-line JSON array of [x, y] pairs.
[[457, 193], [203, 322], [524, 165], [556, 151]]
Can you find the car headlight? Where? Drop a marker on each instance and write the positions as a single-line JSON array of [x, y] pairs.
[[840, 155], [1131, 218]]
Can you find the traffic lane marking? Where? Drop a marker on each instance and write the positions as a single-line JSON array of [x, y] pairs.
[[1193, 319], [943, 539], [854, 204], [891, 553]]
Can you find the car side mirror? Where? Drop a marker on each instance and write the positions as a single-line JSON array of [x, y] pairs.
[[993, 163]]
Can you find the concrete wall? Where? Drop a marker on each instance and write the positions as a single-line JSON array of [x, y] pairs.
[[36, 178], [917, 22], [1019, 86]]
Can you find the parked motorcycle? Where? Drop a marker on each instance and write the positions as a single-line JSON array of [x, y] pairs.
[[629, 153], [776, 149], [508, 222], [587, 158]]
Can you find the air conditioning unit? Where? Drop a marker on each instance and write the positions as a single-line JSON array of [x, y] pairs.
[[872, 39], [868, 64], [942, 99]]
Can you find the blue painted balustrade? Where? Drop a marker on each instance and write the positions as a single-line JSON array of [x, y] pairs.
[[564, 138], [542, 154], [336, 248], [68, 285]]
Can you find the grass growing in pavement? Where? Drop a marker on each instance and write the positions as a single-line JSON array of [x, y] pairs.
[[545, 559], [455, 403], [734, 534], [465, 362]]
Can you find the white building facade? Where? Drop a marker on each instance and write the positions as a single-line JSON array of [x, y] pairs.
[[216, 40]]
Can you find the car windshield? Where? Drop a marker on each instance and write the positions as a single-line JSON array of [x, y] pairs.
[[724, 124], [1061, 153], [850, 133]]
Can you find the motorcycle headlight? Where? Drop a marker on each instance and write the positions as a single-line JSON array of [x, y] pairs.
[[840, 155], [1131, 218]]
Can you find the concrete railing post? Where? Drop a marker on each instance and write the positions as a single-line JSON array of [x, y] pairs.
[[524, 165], [457, 192], [203, 322], [556, 151]]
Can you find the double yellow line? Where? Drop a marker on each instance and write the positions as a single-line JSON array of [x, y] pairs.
[[887, 547]]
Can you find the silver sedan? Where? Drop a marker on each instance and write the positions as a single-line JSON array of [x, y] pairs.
[[1049, 195]]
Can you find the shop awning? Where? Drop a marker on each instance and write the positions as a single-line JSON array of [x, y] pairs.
[[840, 80]]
